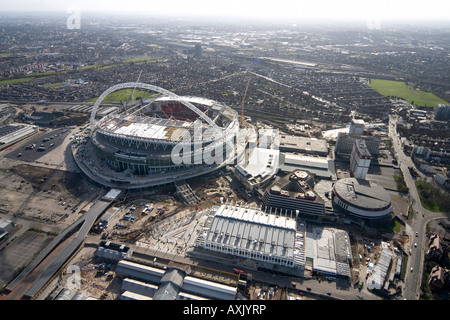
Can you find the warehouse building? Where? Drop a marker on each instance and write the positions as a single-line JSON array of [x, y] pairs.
[[379, 275], [255, 234], [14, 133], [112, 251], [321, 167], [144, 282], [6, 227], [303, 145], [328, 251]]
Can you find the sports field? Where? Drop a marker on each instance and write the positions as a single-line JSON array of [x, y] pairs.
[[402, 90], [125, 95]]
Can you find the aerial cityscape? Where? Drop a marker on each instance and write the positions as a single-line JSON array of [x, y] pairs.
[[150, 156]]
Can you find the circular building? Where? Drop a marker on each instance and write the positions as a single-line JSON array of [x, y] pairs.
[[158, 140], [362, 199]]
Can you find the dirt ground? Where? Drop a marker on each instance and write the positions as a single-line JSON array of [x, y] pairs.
[[43, 193], [94, 283], [401, 206]]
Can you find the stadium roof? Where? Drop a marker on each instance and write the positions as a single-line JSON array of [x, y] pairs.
[[253, 230]]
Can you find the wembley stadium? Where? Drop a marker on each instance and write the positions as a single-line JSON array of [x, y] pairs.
[[158, 140]]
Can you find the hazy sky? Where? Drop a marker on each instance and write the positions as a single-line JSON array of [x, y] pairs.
[[325, 9]]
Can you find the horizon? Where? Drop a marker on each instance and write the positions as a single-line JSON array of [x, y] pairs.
[[345, 11]]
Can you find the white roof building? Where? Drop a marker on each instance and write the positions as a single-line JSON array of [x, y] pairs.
[[378, 277], [255, 234]]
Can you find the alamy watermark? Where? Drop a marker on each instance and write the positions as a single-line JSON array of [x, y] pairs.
[[212, 146], [74, 280]]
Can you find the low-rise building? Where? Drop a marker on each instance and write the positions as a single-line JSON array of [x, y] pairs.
[[439, 278], [435, 247], [303, 145]]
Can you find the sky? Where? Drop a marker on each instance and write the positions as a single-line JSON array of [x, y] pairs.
[[410, 10]]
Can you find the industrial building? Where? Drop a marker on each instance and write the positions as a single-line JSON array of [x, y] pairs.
[[280, 240], [144, 282], [321, 167], [6, 227], [86, 109], [328, 251], [255, 234], [112, 251], [380, 272], [303, 145], [15, 132], [362, 199]]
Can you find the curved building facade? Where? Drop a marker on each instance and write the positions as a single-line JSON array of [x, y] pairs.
[[159, 140], [362, 199]]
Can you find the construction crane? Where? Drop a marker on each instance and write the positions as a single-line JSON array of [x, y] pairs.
[[243, 103], [132, 93]]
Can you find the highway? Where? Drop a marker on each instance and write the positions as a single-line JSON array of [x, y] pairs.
[[418, 224]]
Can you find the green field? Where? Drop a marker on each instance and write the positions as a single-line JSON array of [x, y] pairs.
[[17, 80], [125, 95], [432, 197], [136, 61], [402, 90], [57, 84]]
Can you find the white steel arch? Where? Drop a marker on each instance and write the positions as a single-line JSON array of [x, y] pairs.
[[141, 85]]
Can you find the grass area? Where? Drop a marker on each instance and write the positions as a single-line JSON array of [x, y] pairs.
[[57, 84], [395, 226], [5, 55], [16, 80], [432, 197], [389, 88], [137, 60], [91, 66], [140, 60], [125, 95]]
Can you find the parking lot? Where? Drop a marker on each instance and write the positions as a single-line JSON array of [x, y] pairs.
[[40, 146]]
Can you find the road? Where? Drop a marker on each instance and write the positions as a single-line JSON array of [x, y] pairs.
[[418, 224], [340, 288], [36, 275]]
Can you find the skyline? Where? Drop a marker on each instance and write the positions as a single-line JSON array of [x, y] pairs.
[[346, 10]]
